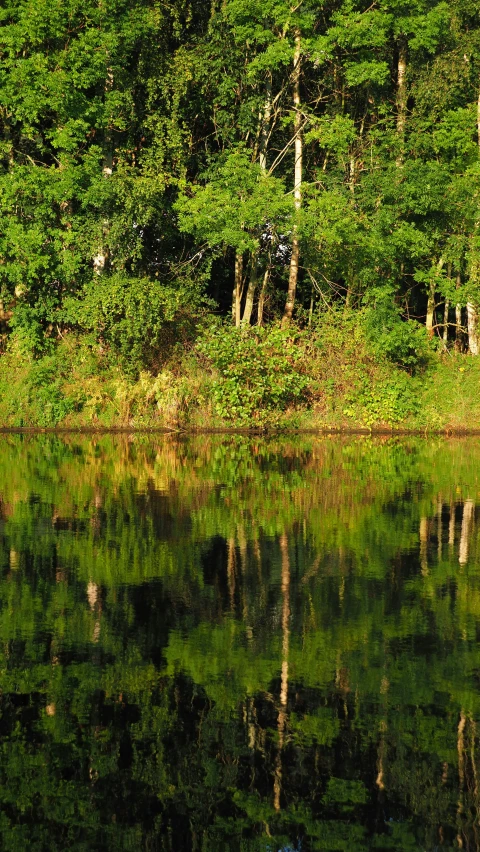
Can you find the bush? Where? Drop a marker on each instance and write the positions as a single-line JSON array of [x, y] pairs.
[[259, 371], [138, 319], [403, 342]]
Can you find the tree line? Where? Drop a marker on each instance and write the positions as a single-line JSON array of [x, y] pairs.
[[261, 160]]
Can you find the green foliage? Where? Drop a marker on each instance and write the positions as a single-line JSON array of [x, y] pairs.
[[236, 201], [139, 319], [259, 372], [402, 342]]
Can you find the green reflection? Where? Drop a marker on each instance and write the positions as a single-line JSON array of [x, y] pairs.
[[237, 643]]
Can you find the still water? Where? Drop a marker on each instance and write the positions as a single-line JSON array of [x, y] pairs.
[[235, 643]]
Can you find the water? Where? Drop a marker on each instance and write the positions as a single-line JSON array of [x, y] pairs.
[[233, 643]]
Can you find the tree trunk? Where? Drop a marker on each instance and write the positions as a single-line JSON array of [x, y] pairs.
[[294, 262], [429, 322], [101, 258], [445, 322], [430, 308], [458, 319], [252, 286], [266, 118], [401, 98], [472, 324], [237, 289], [261, 298]]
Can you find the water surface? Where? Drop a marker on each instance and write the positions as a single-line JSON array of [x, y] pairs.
[[232, 643]]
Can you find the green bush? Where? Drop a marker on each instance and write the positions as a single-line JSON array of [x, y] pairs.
[[259, 371], [137, 319], [403, 342]]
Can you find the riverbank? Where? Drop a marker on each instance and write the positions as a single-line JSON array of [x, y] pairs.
[[332, 379]]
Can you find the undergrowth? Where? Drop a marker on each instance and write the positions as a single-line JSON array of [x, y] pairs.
[[331, 377]]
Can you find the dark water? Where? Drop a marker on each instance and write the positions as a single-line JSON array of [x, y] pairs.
[[233, 643]]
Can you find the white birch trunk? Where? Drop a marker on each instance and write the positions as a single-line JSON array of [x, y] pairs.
[[100, 259], [294, 262], [472, 324], [401, 98]]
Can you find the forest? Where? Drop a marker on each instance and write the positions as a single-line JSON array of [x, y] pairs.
[[240, 213]]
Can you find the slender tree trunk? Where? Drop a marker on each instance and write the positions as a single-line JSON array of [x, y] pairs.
[[458, 318], [262, 296], [445, 322], [430, 309], [472, 309], [237, 289], [431, 302], [401, 98], [252, 286], [472, 325], [266, 118], [294, 261], [101, 258]]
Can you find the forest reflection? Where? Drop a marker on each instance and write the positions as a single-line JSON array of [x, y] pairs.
[[239, 643]]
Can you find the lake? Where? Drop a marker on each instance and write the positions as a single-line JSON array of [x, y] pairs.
[[239, 643]]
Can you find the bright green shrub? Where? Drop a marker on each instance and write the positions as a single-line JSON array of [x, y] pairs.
[[259, 371]]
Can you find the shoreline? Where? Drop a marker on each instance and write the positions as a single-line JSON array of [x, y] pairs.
[[257, 432]]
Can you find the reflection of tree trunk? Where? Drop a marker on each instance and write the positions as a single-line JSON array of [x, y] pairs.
[[231, 573], [282, 715], [424, 545], [451, 527], [242, 546], [439, 529], [468, 512], [294, 261], [461, 771]]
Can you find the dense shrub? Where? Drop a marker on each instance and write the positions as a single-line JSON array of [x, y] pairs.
[[137, 319], [258, 371]]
